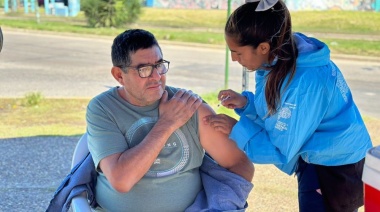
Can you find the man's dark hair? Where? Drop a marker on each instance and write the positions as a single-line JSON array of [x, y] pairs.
[[128, 43]]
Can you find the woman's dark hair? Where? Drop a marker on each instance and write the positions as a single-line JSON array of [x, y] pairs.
[[128, 43], [250, 28]]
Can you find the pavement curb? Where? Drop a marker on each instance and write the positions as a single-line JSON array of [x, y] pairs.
[[355, 57]]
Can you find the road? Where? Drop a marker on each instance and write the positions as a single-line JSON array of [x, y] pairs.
[[74, 66]]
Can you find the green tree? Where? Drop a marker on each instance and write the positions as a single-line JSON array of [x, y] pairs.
[[111, 13]]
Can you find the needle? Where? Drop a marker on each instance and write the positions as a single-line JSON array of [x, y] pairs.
[[223, 99]]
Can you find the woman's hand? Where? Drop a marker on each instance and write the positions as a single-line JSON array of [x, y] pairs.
[[220, 122], [231, 99]]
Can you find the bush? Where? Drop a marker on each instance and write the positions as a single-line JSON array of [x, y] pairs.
[[111, 13], [32, 99], [99, 13], [133, 8]]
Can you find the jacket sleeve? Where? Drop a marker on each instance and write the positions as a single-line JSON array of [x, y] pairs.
[[82, 178], [222, 190], [278, 139]]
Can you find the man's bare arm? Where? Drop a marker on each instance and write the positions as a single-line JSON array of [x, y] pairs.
[[224, 151]]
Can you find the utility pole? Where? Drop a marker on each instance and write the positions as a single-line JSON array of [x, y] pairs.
[[1, 39], [226, 67]]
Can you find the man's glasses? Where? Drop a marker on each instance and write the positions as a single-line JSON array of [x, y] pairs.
[[147, 70]]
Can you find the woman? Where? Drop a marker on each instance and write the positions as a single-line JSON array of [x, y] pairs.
[[302, 117]]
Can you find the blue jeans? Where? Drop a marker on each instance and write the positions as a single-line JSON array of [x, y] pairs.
[[309, 199]]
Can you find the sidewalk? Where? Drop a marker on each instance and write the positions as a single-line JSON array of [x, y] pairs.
[[32, 169]]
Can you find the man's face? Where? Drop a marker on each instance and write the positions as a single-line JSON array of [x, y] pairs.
[[144, 91]]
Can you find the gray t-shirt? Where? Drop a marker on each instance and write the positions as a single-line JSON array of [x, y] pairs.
[[172, 182]]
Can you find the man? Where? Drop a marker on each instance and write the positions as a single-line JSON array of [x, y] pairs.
[[147, 139]]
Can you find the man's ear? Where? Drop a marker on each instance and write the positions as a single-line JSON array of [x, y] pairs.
[[264, 48], [117, 74]]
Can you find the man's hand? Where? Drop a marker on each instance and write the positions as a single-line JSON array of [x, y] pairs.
[[220, 122], [179, 109]]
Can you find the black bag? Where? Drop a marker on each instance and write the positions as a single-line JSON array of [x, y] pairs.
[[341, 186]]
